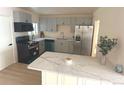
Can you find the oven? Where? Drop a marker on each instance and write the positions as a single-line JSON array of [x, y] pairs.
[[27, 50]]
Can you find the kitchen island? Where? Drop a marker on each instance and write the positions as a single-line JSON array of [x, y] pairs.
[[81, 70]]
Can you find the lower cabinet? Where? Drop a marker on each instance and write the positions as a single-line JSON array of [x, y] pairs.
[[61, 46], [77, 47], [41, 46], [64, 46], [55, 78]]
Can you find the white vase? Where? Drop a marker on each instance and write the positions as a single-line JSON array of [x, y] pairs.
[[103, 60]]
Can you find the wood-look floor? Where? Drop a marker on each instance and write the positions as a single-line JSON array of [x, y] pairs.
[[18, 74]]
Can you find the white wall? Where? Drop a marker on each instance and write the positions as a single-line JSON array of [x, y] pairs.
[[7, 53], [112, 25]]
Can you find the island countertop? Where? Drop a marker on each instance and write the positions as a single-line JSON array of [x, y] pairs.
[[82, 66]]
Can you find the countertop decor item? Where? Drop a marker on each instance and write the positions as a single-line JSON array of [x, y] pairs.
[[84, 70], [106, 44], [119, 68], [68, 61], [42, 35]]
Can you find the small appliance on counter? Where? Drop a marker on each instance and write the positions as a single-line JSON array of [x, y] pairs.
[[77, 38], [27, 50], [42, 35]]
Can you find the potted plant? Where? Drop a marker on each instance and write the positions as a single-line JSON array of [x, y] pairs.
[[105, 45]]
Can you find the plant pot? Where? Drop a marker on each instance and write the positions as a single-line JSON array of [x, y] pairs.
[[103, 60]]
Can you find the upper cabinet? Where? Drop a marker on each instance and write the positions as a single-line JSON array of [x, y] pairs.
[[47, 24], [22, 17], [50, 24], [63, 21], [83, 21], [43, 24]]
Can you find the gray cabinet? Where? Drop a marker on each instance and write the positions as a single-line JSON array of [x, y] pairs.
[[71, 47], [63, 21], [79, 21], [61, 46], [77, 47], [51, 24], [47, 24], [83, 21], [64, 46], [22, 17], [41, 46], [43, 24]]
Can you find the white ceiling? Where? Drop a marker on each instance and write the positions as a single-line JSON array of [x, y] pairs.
[[63, 10]]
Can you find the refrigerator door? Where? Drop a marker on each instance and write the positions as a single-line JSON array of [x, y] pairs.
[[86, 40]]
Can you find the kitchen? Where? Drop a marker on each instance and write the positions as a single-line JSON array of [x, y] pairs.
[[60, 44], [56, 34]]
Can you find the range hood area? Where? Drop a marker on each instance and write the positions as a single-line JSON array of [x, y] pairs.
[[23, 27]]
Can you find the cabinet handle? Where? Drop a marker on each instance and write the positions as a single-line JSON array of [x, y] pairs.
[[34, 53], [10, 45]]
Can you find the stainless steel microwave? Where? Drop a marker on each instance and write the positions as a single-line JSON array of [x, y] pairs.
[[23, 27]]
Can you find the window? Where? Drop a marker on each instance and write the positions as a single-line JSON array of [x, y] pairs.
[[34, 34]]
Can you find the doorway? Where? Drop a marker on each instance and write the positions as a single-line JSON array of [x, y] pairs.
[[6, 47]]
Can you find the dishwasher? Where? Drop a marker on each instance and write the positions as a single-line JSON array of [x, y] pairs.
[[49, 45]]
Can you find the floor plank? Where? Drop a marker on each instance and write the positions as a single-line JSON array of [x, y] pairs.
[[18, 74]]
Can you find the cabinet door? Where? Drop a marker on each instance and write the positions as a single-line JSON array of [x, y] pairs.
[[88, 21], [79, 21], [60, 21], [61, 46], [66, 20], [41, 46], [77, 47], [70, 46], [22, 17], [51, 24], [83, 21], [43, 24], [64, 45], [49, 78], [69, 80], [57, 46], [16, 16]]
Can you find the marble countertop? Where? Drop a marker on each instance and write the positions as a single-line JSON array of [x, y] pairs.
[[48, 38], [82, 66], [40, 39]]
